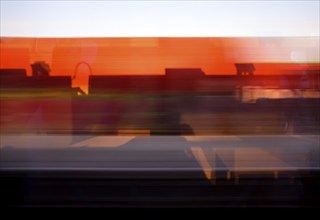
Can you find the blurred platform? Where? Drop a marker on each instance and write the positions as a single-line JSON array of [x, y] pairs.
[[292, 152], [160, 171]]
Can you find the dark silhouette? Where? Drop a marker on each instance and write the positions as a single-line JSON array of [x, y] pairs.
[[245, 69], [209, 104], [40, 69], [13, 73]]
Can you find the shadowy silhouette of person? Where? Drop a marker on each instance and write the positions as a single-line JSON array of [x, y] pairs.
[[170, 124]]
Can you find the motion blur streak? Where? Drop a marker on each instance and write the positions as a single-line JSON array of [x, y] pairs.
[[160, 122]]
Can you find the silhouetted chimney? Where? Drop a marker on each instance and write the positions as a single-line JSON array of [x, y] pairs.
[[40, 68], [245, 69]]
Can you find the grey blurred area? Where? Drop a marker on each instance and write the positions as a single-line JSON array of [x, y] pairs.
[[160, 171]]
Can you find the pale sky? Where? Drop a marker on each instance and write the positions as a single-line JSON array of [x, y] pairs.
[[24, 18]]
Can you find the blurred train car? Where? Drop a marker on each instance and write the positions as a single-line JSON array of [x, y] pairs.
[[184, 139], [184, 101]]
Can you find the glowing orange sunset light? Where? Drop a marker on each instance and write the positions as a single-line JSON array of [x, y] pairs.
[[151, 55]]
